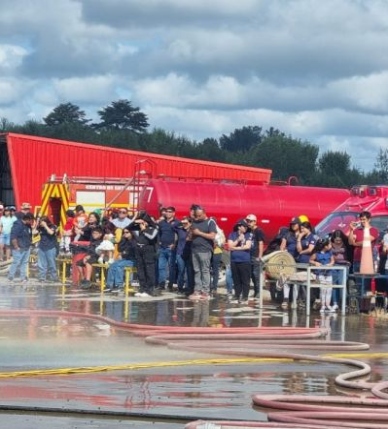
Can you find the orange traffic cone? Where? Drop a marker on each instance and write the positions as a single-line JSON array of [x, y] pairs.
[[366, 266]]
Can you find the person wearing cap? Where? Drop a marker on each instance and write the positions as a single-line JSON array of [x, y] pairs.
[[257, 250], [24, 208], [289, 239], [167, 249], [7, 220], [120, 220], [289, 243], [306, 240], [21, 240], [239, 244]]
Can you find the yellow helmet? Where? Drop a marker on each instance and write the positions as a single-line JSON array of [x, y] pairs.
[[303, 218]]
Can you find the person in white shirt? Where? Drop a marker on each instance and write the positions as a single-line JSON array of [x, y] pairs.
[[6, 222]]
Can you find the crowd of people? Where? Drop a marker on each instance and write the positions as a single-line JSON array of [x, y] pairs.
[[167, 252], [183, 254], [336, 249]]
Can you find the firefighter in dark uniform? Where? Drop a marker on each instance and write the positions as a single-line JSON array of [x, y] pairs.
[[146, 250]]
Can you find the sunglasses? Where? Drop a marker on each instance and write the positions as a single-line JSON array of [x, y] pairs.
[[249, 220], [123, 211]]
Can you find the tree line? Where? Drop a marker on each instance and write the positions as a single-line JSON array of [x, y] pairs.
[[125, 126]]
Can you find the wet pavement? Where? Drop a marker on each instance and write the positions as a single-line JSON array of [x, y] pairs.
[[64, 364]]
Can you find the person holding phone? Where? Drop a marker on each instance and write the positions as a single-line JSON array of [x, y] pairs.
[[356, 237]]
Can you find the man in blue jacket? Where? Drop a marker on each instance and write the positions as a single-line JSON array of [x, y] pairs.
[[21, 240]]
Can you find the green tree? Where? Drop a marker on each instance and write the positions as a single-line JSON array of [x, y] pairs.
[[285, 156], [333, 163], [210, 149], [241, 139], [32, 127], [66, 113], [381, 165], [6, 125], [121, 115], [334, 170]]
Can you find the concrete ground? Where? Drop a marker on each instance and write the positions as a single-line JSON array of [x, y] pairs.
[[64, 365]]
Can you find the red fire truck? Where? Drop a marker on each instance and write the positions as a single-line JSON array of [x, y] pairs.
[[93, 193], [273, 204], [227, 200], [362, 197]]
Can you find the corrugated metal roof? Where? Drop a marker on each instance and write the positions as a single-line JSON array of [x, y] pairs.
[[33, 159]]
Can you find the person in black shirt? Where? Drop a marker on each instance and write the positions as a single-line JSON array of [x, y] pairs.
[[257, 250], [167, 249], [91, 258], [85, 233], [47, 250], [146, 246], [126, 258]]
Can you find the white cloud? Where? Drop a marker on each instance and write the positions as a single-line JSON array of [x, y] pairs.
[[11, 56], [368, 92], [87, 90], [314, 69]]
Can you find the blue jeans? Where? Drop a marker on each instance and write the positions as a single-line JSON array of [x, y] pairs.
[[181, 272], [47, 266], [229, 279], [164, 261], [19, 262], [116, 272], [338, 280]]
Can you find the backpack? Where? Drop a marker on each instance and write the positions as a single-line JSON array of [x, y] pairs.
[[219, 239]]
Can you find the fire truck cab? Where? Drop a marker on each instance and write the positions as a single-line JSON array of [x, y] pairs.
[[362, 197], [94, 193]]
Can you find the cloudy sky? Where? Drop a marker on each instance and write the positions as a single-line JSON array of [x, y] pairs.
[[317, 70]]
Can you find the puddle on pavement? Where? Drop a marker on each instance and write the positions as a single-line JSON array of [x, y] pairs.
[[206, 391]]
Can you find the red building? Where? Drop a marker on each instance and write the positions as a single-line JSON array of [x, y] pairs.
[[27, 163]]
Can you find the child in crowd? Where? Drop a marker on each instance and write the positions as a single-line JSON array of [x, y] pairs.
[[80, 221], [323, 256], [67, 234], [106, 250], [85, 265]]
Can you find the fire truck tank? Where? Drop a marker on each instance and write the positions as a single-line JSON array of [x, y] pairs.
[[274, 205]]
